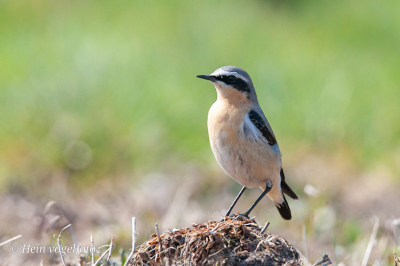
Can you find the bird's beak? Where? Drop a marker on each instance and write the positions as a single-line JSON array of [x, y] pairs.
[[207, 77]]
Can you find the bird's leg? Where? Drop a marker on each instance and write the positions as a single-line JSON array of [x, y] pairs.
[[235, 201], [267, 189]]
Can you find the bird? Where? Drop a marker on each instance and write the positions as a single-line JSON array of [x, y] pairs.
[[242, 139]]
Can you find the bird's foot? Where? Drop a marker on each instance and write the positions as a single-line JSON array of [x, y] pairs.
[[235, 216], [244, 215]]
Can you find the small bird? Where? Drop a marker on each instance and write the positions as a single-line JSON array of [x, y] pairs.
[[242, 139]]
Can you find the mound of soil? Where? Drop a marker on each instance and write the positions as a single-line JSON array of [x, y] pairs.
[[236, 240]]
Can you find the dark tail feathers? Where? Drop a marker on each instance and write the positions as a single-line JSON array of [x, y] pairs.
[[285, 187], [284, 209], [288, 191]]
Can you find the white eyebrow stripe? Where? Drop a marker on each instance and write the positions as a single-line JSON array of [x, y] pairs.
[[220, 72]]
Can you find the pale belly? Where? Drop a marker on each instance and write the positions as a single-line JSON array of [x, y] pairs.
[[249, 162]]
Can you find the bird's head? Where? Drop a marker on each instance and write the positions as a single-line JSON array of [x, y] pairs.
[[233, 84]]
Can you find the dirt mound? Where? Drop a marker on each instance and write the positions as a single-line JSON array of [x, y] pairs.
[[234, 241]]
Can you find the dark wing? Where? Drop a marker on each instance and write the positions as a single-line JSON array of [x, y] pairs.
[[285, 187], [257, 120]]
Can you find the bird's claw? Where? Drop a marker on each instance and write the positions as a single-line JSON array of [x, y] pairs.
[[232, 216], [244, 215]]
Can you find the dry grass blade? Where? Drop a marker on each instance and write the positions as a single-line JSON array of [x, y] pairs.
[[133, 241], [59, 244], [9, 240], [371, 242], [110, 250], [102, 255]]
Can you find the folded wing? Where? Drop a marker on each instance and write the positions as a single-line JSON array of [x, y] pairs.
[[266, 132]]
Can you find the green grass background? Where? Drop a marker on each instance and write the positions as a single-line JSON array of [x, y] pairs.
[[119, 78], [121, 75]]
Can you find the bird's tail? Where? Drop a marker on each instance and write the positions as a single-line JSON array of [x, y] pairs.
[[284, 209]]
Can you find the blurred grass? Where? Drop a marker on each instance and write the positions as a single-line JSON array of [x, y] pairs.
[[119, 76]]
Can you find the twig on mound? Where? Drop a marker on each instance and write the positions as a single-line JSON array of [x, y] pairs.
[[158, 237], [160, 248], [264, 228], [324, 262]]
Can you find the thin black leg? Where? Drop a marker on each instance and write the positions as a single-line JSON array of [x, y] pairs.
[[235, 201], [267, 189]]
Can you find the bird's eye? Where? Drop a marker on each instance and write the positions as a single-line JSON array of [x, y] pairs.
[[231, 78]]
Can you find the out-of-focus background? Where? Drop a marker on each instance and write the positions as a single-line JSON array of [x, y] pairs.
[[101, 112]]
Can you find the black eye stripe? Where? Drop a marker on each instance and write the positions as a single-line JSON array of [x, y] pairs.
[[227, 79], [232, 79], [235, 82]]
